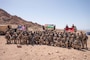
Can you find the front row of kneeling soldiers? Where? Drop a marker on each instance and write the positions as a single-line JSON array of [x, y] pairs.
[[51, 38]]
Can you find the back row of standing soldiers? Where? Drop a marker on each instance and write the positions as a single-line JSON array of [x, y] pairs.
[[51, 38]]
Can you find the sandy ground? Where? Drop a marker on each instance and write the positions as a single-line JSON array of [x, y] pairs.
[[43, 52]]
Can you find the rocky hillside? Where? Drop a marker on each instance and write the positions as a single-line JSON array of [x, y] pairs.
[[6, 18]]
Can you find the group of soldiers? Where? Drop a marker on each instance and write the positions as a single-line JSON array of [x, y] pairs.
[[52, 38]]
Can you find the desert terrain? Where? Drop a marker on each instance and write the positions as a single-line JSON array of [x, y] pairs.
[[40, 52], [36, 52]]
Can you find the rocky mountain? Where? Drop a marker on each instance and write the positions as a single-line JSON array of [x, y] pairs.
[[6, 18]]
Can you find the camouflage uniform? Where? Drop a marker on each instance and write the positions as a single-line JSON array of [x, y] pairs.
[[8, 37]]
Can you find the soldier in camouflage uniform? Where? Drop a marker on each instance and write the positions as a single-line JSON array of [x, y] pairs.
[[63, 40], [8, 38], [14, 38], [19, 38], [71, 40], [30, 38], [84, 41], [77, 43], [67, 42]]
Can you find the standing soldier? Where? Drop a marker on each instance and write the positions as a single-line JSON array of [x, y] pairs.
[[8, 37], [41, 40], [84, 41], [14, 37], [81, 38], [25, 38], [63, 41], [19, 38], [29, 37], [67, 42], [71, 40], [33, 38]]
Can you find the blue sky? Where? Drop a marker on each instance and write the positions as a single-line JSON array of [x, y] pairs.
[[58, 12]]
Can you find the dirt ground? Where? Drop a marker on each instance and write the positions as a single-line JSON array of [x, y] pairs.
[[40, 52]]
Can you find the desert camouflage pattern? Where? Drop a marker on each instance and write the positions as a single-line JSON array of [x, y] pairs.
[[51, 38]]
